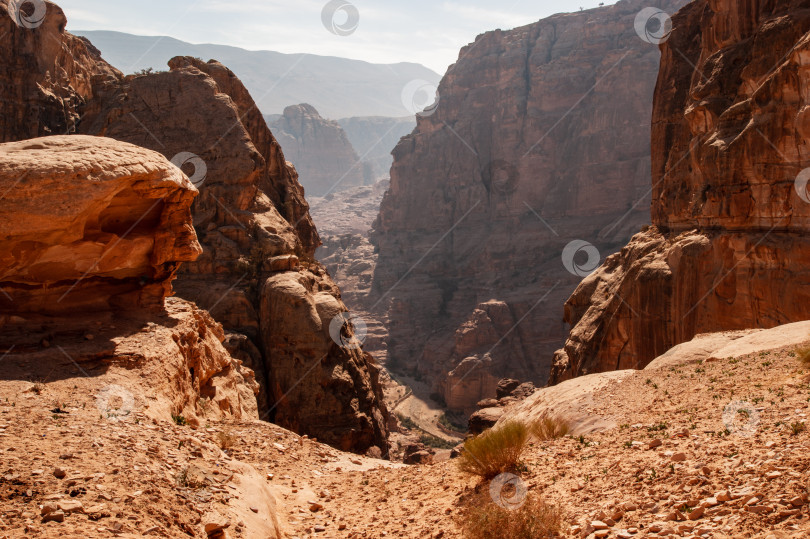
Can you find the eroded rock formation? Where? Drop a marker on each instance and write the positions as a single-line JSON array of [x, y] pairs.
[[540, 137], [322, 154], [729, 248], [89, 223], [38, 98], [251, 218], [93, 232]]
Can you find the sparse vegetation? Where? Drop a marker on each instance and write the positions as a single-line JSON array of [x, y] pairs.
[[550, 428], [179, 420], [495, 451], [535, 519], [797, 428], [225, 440], [436, 442], [407, 422]]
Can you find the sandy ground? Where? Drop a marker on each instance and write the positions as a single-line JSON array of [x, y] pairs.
[[134, 476]]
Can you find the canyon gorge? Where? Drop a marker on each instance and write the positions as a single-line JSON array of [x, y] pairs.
[[220, 321], [540, 138]]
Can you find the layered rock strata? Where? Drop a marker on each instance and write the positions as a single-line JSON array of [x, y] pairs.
[[540, 138], [729, 202]]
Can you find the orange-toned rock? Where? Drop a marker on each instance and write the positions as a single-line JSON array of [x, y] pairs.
[[90, 223], [250, 216], [729, 249]]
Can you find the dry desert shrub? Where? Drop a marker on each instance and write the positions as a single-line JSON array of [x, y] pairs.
[[550, 428], [533, 520], [225, 440], [803, 355], [495, 451]]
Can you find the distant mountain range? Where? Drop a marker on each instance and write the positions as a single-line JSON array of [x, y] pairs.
[[337, 87]]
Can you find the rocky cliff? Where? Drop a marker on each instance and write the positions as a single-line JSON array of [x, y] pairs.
[[322, 154], [256, 273], [116, 237], [93, 232], [540, 138], [729, 248]]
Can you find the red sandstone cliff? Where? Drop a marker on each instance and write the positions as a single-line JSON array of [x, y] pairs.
[[729, 248], [256, 273], [540, 137]]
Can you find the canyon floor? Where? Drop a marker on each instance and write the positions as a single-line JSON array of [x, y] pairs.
[[672, 467]]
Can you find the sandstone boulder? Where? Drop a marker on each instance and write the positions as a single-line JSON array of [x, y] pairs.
[[90, 223]]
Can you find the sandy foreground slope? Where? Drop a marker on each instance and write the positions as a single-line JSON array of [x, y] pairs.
[[700, 448]]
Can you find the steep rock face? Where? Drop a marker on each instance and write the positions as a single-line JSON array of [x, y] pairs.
[[246, 241], [89, 223], [37, 98], [250, 216], [93, 232], [319, 149], [729, 249], [540, 138]]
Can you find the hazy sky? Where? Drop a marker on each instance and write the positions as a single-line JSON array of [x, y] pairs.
[[430, 32]]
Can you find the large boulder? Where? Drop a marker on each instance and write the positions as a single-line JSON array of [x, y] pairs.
[[90, 223]]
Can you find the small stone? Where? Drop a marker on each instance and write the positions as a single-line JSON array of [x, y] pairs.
[[797, 501], [71, 506], [599, 525], [59, 473], [319, 529], [723, 496], [678, 457], [254, 509], [697, 513], [770, 476], [54, 516], [655, 443], [315, 507], [48, 508]]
